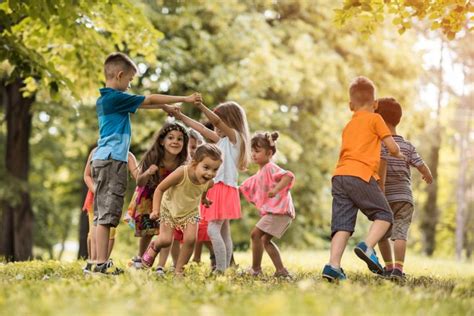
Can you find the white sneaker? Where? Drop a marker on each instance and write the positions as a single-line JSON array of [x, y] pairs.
[[160, 271]]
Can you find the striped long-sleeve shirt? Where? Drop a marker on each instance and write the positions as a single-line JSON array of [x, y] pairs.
[[398, 179]]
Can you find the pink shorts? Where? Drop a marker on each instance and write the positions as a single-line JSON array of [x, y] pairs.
[[225, 203], [202, 231], [178, 235]]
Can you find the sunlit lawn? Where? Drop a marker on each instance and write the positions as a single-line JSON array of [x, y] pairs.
[[434, 287]]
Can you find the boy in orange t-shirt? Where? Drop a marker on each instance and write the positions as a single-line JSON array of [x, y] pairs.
[[354, 182]]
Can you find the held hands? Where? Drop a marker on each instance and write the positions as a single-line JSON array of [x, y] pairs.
[[171, 108], [401, 156], [207, 203], [155, 215], [152, 170], [193, 98]]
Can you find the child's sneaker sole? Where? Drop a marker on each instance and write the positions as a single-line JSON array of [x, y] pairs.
[[370, 264]]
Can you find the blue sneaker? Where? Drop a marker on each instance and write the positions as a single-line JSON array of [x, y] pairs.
[[370, 258], [331, 274]]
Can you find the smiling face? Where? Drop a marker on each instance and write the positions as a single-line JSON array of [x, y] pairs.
[[173, 142], [261, 156], [206, 169]]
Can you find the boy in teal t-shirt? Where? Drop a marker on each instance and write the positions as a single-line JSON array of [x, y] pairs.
[[109, 162]]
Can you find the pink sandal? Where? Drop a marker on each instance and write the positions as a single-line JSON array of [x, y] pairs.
[[149, 256]]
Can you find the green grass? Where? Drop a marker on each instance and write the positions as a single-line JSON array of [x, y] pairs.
[[434, 287]]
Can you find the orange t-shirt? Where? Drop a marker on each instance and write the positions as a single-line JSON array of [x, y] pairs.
[[360, 150]]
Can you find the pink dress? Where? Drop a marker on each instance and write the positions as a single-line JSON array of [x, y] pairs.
[[225, 192], [255, 190]]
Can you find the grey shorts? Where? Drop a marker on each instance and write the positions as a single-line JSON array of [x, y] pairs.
[[402, 215], [110, 180], [351, 194]]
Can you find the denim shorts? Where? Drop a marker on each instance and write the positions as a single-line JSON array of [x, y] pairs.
[[351, 194]]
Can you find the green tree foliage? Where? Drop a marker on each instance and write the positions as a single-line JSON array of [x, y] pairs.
[[451, 16], [290, 69], [55, 50]]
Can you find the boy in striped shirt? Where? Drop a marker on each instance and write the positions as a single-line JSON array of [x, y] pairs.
[[396, 183]]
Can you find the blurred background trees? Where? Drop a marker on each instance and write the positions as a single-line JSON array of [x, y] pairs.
[[286, 62]]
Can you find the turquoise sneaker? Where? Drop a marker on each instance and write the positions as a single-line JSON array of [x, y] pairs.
[[331, 274], [361, 250]]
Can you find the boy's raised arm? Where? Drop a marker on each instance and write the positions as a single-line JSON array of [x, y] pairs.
[[161, 99]]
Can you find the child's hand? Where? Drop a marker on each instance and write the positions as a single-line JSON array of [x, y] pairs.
[[155, 215], [193, 98], [272, 193], [177, 113], [401, 156], [152, 170], [207, 203], [428, 178], [171, 109]]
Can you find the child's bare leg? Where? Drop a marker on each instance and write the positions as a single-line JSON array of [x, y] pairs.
[[209, 246], [400, 247], [89, 256], [197, 251], [164, 254], [273, 252], [257, 249], [386, 252], [143, 244], [164, 240], [189, 238], [93, 245], [102, 242], [175, 249], [338, 245], [111, 247], [377, 231]]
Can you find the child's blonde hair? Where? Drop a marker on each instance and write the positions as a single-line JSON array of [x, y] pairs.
[[233, 115], [362, 91]]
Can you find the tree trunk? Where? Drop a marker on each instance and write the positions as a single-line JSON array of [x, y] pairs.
[[430, 210], [17, 222], [83, 231], [84, 220]]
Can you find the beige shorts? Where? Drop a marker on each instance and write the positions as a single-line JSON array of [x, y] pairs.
[[275, 225], [110, 178], [402, 216]]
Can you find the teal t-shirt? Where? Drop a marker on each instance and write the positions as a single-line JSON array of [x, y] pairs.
[[113, 112]]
